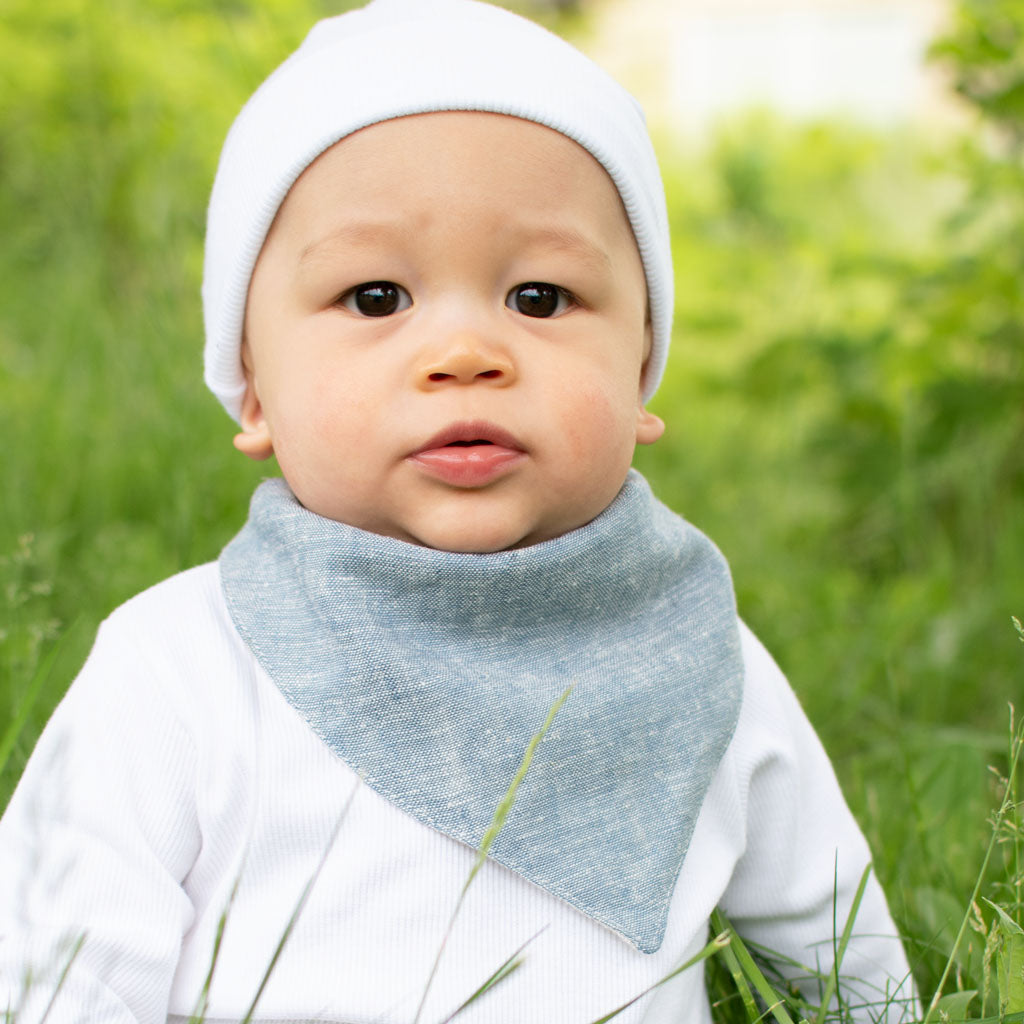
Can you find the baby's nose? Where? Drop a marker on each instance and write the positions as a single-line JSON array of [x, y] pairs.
[[467, 362]]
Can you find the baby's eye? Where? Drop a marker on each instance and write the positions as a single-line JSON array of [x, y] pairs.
[[538, 299], [376, 298]]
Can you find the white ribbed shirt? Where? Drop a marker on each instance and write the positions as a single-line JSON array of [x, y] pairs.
[[174, 768]]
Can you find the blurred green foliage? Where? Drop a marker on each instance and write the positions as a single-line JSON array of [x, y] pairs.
[[984, 49], [844, 398]]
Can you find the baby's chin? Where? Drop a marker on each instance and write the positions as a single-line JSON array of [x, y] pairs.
[[502, 520], [482, 539], [477, 535], [503, 517]]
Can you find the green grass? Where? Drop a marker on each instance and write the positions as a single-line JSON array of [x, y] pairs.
[[845, 400]]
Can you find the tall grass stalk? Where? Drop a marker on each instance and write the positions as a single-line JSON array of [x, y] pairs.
[[501, 813], [747, 976], [509, 967], [838, 952], [203, 1002], [76, 948], [1007, 813], [11, 1014], [27, 702], [299, 907], [720, 941]]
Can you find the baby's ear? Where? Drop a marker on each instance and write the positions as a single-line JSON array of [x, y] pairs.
[[254, 440], [648, 426]]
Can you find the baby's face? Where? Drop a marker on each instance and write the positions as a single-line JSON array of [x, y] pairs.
[[445, 334]]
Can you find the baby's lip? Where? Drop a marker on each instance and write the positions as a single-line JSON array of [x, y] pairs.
[[468, 433], [469, 455]]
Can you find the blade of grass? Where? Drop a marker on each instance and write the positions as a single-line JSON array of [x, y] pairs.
[[299, 907], [717, 943], [1006, 805], [75, 950], [501, 812], [506, 803], [954, 1008], [28, 700], [1009, 959], [510, 966], [1017, 822], [750, 969], [203, 1002], [832, 987], [739, 980]]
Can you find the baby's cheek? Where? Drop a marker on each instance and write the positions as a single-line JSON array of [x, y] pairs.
[[334, 414], [598, 415]]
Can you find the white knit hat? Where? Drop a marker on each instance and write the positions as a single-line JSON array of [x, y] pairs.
[[398, 57]]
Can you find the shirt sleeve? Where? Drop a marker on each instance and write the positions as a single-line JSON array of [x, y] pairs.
[[793, 888], [94, 845]]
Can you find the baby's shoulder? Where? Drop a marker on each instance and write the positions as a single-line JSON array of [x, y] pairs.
[[772, 723], [175, 639], [764, 684], [188, 592], [183, 611]]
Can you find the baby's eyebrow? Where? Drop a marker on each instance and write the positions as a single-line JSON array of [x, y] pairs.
[[569, 241], [361, 234]]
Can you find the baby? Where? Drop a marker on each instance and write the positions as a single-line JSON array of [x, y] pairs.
[[438, 288]]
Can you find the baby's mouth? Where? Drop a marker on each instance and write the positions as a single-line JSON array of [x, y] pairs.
[[469, 455], [472, 434]]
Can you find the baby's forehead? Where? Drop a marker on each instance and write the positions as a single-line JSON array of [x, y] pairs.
[[417, 151], [439, 171]]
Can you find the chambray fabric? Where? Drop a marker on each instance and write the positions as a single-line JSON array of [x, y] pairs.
[[429, 671]]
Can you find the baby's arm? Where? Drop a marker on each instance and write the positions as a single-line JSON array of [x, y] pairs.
[[792, 889], [93, 846]]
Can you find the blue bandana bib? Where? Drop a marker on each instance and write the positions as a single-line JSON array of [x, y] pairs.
[[428, 671]]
